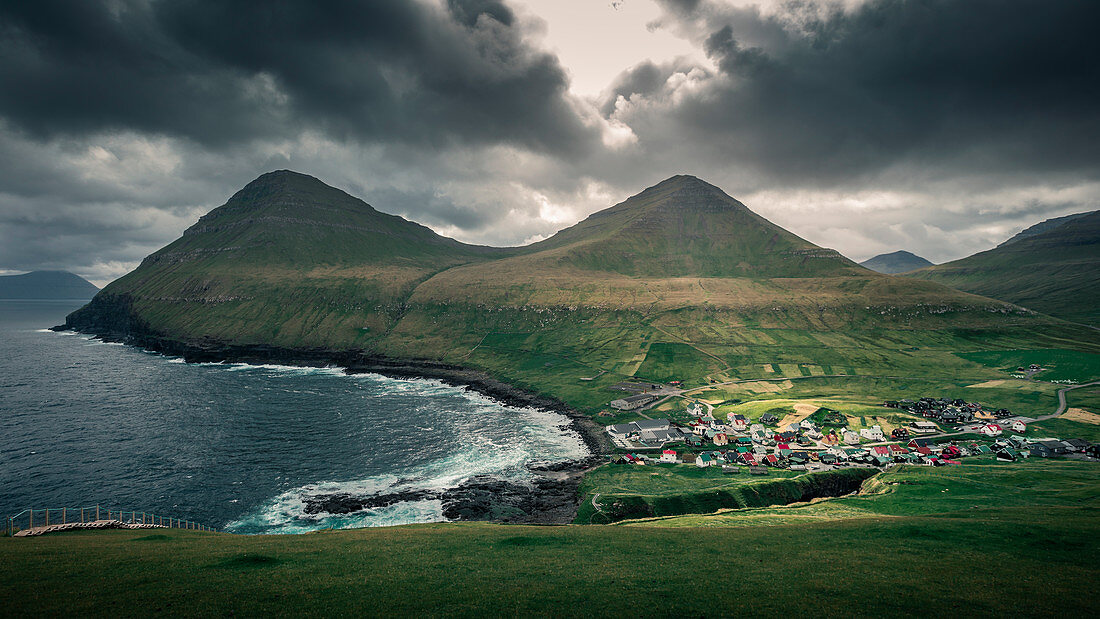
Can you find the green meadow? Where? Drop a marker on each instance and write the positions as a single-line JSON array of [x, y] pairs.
[[982, 539]]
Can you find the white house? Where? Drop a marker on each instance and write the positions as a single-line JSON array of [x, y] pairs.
[[704, 460], [669, 455], [1017, 426], [850, 438], [991, 429], [874, 433], [739, 423]]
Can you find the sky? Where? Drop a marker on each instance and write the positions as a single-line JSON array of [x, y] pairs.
[[937, 126]]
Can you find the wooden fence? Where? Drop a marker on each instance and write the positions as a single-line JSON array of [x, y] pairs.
[[30, 520]]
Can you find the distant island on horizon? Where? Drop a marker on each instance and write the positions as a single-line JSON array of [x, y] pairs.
[[46, 285]]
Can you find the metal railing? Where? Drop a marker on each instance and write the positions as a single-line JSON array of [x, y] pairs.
[[34, 519]]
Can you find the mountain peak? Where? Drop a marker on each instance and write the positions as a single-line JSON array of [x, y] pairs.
[[900, 261]]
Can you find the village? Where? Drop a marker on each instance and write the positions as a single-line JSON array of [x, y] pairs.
[[825, 441]]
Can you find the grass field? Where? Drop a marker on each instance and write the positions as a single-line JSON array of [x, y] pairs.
[[619, 492], [979, 484], [977, 540], [1057, 364]]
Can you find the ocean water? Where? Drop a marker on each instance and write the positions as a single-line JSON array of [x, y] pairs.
[[237, 446]]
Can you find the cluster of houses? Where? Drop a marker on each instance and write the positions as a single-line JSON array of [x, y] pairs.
[[919, 451], [738, 430], [947, 410]]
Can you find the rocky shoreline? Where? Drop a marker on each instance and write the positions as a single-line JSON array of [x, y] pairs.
[[551, 497]]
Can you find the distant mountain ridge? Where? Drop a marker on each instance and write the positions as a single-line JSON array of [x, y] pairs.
[[1055, 271], [896, 262], [46, 285]]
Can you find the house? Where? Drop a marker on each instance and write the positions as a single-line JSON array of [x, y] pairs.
[[874, 433], [1017, 426], [828, 458], [923, 427], [748, 458], [771, 460], [786, 437], [769, 419], [721, 439], [814, 433], [1076, 445], [919, 442], [757, 427], [898, 450], [695, 409], [808, 425], [1007, 454], [738, 422], [660, 437], [623, 430], [881, 450], [669, 455], [633, 402], [899, 433], [704, 460], [794, 427], [991, 429], [851, 438], [950, 451], [831, 439], [1093, 451]]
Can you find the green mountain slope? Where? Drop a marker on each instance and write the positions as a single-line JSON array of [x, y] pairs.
[[46, 285], [1056, 272], [680, 281], [287, 260], [1042, 226], [896, 262]]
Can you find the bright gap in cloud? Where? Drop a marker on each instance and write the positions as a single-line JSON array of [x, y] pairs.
[[596, 40]]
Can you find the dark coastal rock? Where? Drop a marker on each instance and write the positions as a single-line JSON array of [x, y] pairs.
[[347, 504], [483, 498]]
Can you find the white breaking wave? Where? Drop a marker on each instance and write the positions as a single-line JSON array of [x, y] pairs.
[[538, 436]]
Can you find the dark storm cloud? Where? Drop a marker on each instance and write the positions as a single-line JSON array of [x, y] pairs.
[[223, 72], [970, 86]]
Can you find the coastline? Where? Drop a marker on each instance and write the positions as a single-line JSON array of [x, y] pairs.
[[554, 493]]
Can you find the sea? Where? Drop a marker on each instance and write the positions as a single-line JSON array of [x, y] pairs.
[[240, 447]]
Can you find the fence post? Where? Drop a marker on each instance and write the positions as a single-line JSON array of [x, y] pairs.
[[97, 511], [81, 515], [47, 516], [64, 514]]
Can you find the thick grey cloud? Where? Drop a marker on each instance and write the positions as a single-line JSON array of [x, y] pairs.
[[220, 72], [939, 126], [809, 94]]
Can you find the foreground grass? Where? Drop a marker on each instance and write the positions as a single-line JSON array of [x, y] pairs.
[[1027, 560]]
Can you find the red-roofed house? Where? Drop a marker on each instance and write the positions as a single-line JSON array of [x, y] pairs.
[[668, 455]]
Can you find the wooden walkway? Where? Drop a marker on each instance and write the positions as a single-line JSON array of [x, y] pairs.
[[94, 524]]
